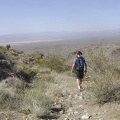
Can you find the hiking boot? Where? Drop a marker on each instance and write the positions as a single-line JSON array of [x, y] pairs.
[[81, 89]]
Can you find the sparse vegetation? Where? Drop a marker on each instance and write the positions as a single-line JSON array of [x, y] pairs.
[[43, 86], [14, 95], [105, 87]]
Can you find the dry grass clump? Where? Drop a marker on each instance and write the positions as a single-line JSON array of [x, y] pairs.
[[13, 82], [105, 91], [13, 96], [35, 100], [105, 76], [11, 92]]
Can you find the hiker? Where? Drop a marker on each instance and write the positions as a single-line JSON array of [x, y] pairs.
[[80, 67]]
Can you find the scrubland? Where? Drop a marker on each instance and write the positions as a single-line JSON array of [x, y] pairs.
[[40, 85]]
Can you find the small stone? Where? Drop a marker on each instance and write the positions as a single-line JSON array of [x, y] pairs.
[[76, 95], [70, 96], [76, 112], [61, 112], [80, 106], [80, 97], [85, 117], [70, 109], [81, 94], [66, 119]]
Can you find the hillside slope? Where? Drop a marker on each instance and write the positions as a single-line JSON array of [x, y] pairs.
[[67, 102]]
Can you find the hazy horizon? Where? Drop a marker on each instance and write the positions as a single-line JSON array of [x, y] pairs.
[[57, 36]]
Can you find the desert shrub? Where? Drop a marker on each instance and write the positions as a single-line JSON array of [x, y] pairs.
[[105, 75], [45, 105], [13, 82], [105, 91], [53, 63], [36, 55], [8, 46], [35, 100], [10, 98], [2, 56], [2, 49], [26, 74], [9, 102]]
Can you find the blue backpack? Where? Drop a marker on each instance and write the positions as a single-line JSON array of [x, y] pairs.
[[79, 63]]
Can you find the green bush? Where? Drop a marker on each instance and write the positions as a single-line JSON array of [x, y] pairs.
[[53, 63]]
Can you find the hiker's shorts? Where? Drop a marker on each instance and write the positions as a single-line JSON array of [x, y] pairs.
[[79, 74]]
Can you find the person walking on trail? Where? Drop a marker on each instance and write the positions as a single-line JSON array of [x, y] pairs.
[[80, 67]]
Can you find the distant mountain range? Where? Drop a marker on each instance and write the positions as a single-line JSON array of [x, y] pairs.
[[50, 36]]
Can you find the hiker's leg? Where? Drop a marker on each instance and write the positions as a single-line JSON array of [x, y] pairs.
[[79, 82], [79, 75]]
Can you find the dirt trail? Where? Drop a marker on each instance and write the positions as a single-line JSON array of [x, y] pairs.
[[77, 108]]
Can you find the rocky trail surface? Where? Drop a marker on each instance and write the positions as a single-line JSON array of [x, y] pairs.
[[71, 104], [76, 105]]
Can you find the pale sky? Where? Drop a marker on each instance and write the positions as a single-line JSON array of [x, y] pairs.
[[28, 16]]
